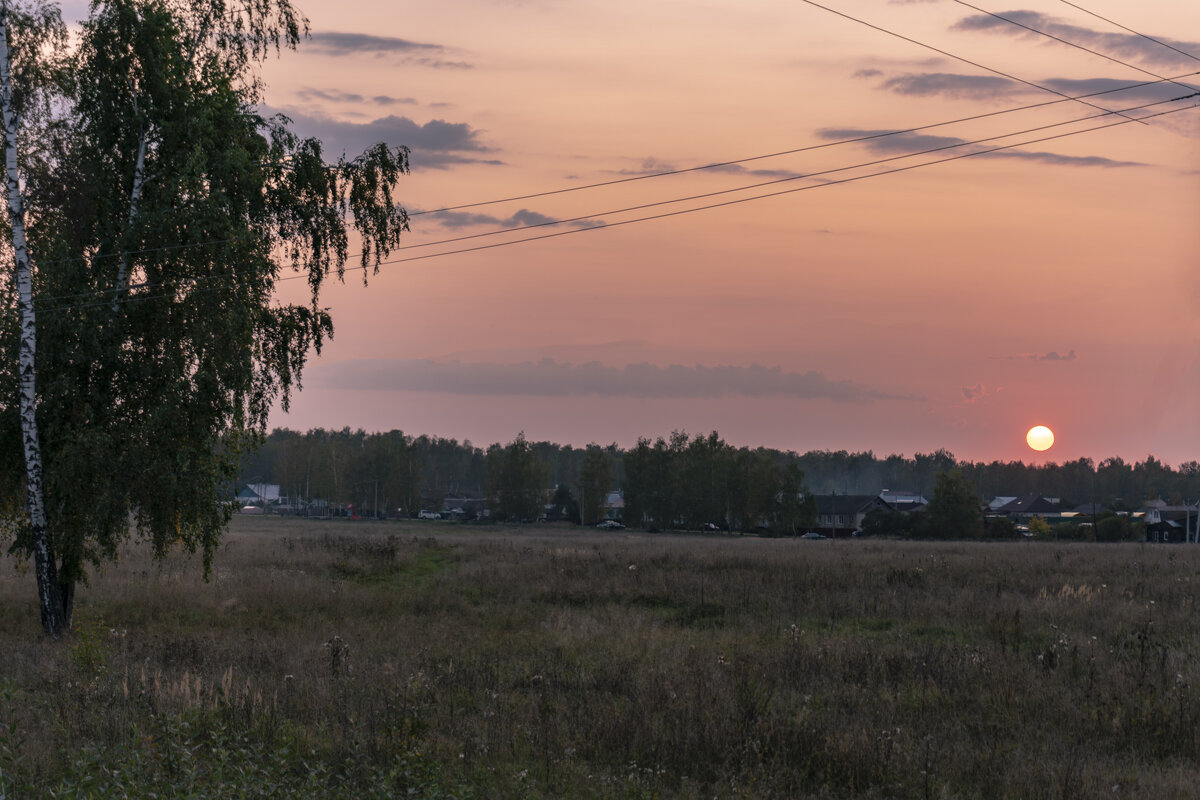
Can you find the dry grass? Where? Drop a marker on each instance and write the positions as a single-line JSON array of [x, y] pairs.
[[496, 662]]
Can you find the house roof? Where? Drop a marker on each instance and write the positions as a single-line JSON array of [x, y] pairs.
[[902, 498], [259, 491], [1163, 508], [1030, 504], [902, 501]]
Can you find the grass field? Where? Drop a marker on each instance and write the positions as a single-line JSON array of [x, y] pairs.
[[339, 659]]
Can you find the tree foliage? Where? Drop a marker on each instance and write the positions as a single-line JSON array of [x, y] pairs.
[[704, 482], [954, 510], [595, 479], [162, 210], [517, 480]]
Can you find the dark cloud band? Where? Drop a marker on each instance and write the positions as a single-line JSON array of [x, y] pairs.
[[436, 144], [523, 218], [333, 43], [549, 378], [1053, 355], [920, 143], [1120, 45]]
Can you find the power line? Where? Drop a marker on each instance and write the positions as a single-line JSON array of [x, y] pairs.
[[793, 151], [949, 54], [664, 215], [747, 187], [1131, 30], [1067, 42], [725, 203]]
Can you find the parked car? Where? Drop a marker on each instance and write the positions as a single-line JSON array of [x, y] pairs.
[[814, 535], [609, 525], [428, 515]]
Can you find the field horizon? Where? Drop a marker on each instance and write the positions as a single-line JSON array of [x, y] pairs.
[[333, 658]]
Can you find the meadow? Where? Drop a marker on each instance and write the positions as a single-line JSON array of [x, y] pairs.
[[343, 659]]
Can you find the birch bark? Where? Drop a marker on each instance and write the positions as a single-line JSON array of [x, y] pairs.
[[139, 172], [135, 196], [53, 600]]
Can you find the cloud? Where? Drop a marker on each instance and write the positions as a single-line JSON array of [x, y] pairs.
[[337, 44], [951, 85], [549, 378], [387, 100], [653, 166], [1057, 159], [868, 73], [1126, 46], [1053, 355], [329, 95], [311, 94], [738, 169], [649, 166], [1122, 93], [906, 143], [523, 218], [435, 144], [973, 394], [1117, 93]]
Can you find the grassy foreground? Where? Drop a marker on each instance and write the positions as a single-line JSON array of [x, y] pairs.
[[338, 659]]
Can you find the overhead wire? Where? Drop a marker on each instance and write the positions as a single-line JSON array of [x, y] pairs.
[[303, 275], [800, 176], [1124, 121], [796, 150]]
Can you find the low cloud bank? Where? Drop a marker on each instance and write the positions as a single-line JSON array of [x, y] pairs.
[[549, 378]]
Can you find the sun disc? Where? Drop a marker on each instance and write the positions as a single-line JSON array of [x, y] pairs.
[[1040, 438]]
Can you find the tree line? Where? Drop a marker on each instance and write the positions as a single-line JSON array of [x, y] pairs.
[[1113, 482], [672, 481]]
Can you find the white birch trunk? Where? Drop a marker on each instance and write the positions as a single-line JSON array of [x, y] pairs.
[[139, 170], [135, 196], [55, 614]]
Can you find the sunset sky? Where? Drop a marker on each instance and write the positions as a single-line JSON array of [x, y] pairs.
[[952, 305]]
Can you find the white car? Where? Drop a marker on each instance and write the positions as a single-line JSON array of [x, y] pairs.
[[429, 515], [609, 525]]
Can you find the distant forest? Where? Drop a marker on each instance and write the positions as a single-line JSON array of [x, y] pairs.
[[393, 470]]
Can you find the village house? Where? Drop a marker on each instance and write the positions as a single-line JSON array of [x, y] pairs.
[[1023, 509], [259, 494], [843, 514], [1170, 523]]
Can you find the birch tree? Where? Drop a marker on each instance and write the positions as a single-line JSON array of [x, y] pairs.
[[154, 210], [23, 85]]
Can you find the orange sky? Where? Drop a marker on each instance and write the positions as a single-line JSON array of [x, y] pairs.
[[952, 305]]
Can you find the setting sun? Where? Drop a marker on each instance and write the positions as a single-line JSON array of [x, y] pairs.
[[1040, 437]]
